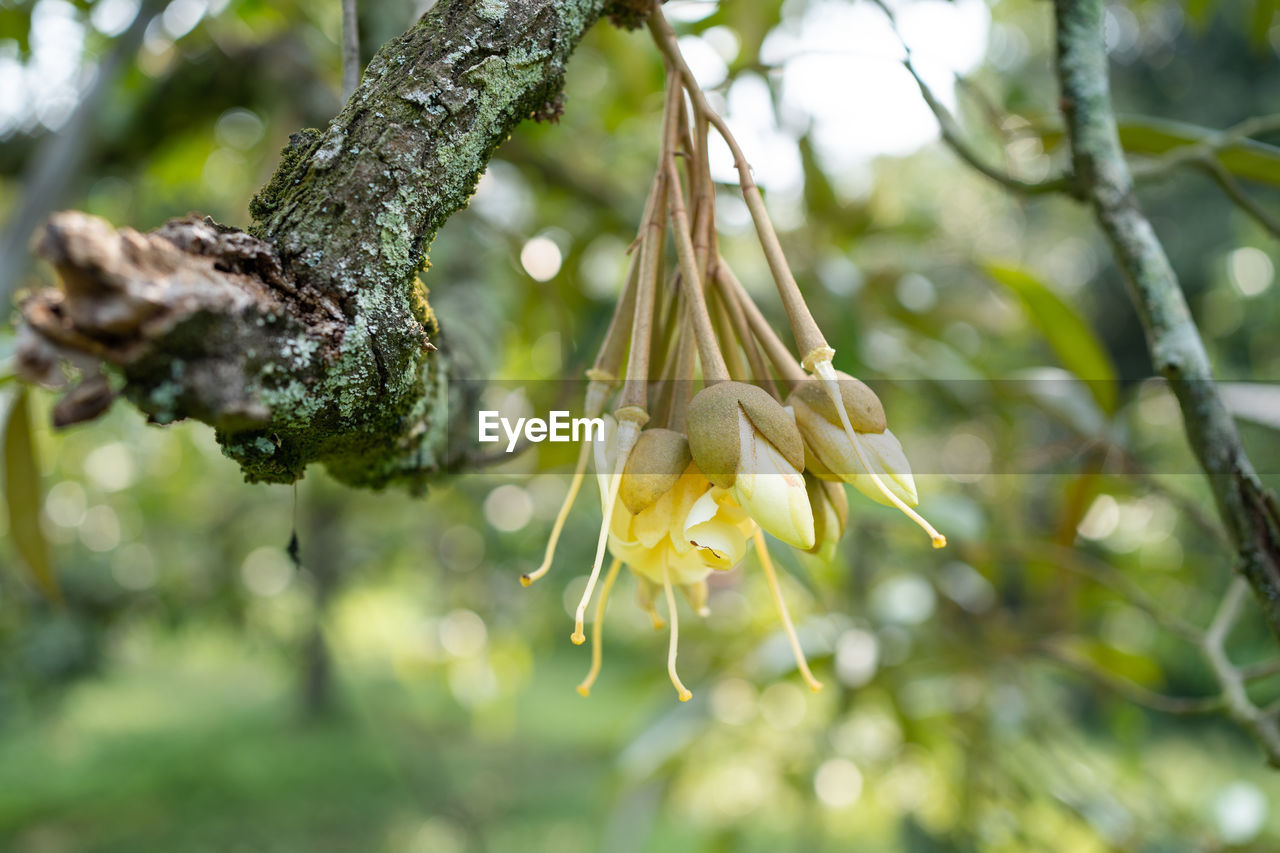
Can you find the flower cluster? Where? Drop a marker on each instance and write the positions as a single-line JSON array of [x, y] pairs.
[[690, 481]]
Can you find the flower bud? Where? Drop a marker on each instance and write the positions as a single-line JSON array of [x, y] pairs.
[[830, 514], [653, 468], [831, 451], [715, 438], [865, 411], [744, 441]]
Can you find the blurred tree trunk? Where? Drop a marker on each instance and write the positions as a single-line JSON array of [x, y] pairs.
[[321, 546]]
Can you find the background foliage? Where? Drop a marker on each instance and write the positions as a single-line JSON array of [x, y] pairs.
[[402, 692]]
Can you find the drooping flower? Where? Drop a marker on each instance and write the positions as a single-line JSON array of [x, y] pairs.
[[670, 526], [863, 452], [744, 441], [670, 520]]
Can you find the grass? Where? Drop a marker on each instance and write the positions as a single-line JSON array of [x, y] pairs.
[[200, 748]]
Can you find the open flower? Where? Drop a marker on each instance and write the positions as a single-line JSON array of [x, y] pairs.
[[671, 527], [744, 441], [683, 531]]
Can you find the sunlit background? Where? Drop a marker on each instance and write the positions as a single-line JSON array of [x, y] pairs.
[[403, 692]]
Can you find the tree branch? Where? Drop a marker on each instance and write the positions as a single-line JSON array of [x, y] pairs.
[[1248, 511], [307, 339]]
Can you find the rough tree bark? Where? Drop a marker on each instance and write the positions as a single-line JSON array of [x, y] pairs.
[[309, 337]]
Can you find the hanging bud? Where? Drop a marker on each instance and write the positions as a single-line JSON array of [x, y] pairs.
[[653, 469], [744, 441], [830, 514], [865, 411], [829, 447]]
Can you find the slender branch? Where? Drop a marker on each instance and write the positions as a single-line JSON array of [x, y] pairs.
[[1231, 698], [1248, 510], [1130, 690], [1261, 669], [1239, 707], [1212, 144], [954, 137], [1229, 185], [350, 49]]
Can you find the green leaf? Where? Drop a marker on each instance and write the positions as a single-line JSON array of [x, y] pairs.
[[1152, 137], [1254, 161], [1075, 344], [1199, 12], [22, 495]]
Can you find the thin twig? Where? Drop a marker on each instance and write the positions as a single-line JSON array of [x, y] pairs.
[[1239, 707], [350, 49], [1261, 669], [1229, 185], [1213, 144], [1130, 690]]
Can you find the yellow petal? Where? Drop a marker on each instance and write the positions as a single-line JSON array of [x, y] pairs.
[[721, 544], [655, 523]]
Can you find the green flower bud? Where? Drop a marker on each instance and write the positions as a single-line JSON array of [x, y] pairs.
[[715, 439], [866, 414], [653, 468]]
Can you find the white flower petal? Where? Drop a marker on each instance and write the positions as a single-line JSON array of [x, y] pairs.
[[772, 491], [884, 452]]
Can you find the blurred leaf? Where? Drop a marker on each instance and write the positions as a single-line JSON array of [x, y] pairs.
[[1119, 663], [22, 494], [819, 197], [1200, 11], [1075, 344], [1253, 401], [15, 23], [1246, 158], [1264, 12]]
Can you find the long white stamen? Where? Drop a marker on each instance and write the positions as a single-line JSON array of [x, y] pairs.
[[579, 473], [827, 374], [772, 576], [628, 432], [681, 690], [597, 630]]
